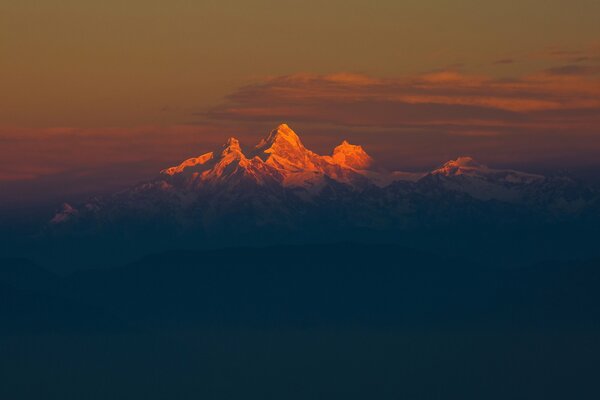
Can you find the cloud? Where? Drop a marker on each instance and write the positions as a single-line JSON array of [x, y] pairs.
[[439, 98]]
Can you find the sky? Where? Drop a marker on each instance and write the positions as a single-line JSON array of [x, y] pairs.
[[97, 95]]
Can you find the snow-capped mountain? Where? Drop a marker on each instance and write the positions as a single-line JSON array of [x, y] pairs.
[[482, 182], [558, 196], [280, 159], [279, 183], [468, 167]]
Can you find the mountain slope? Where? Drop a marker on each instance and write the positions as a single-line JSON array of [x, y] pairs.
[[279, 158], [281, 192]]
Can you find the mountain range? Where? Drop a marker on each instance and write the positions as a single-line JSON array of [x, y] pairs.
[[247, 266], [280, 182]]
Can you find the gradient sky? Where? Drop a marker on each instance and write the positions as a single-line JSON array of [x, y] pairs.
[[99, 94]]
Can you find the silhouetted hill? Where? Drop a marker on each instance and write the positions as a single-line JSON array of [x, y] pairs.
[[343, 321], [28, 306], [337, 285]]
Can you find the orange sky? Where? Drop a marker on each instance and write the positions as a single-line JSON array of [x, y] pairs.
[[90, 86]]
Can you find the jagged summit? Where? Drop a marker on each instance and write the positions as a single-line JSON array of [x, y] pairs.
[[232, 147], [461, 166], [190, 162], [469, 167], [282, 157], [233, 143], [466, 161], [284, 150], [283, 133], [467, 175], [351, 156]]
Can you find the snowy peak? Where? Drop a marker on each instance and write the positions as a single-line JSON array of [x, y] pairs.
[[232, 149], [190, 162], [460, 166], [482, 182], [282, 136], [234, 168], [232, 145], [284, 150], [281, 158], [468, 167], [67, 212], [351, 156]]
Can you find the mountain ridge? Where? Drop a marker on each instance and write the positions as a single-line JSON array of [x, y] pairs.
[[281, 188], [282, 157]]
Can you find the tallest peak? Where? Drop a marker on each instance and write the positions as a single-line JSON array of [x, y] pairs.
[[282, 134], [284, 130]]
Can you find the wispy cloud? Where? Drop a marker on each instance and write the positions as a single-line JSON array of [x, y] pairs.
[[439, 98]]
